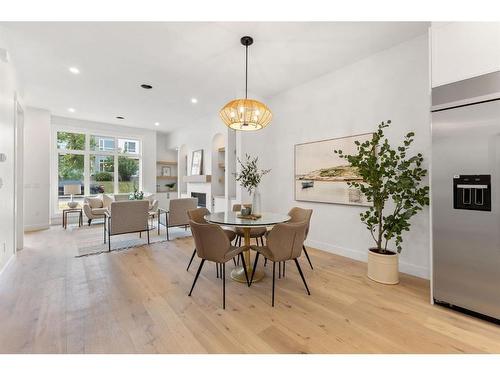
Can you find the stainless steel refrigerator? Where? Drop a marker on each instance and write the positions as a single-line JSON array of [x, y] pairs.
[[465, 191]]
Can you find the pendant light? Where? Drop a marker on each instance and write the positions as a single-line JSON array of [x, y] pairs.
[[246, 114]]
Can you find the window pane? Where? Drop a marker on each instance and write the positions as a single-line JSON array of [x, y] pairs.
[[128, 146], [100, 143], [101, 174], [70, 171], [128, 174], [70, 141]]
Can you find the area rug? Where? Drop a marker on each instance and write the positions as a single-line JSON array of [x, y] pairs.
[[90, 239]]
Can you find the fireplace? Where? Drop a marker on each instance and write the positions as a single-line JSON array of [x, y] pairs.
[[202, 199]]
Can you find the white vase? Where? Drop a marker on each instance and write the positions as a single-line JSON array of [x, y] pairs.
[[256, 202]]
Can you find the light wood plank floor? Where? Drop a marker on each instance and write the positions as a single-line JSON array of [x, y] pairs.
[[136, 301]]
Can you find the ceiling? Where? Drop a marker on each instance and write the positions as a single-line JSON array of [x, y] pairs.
[[181, 60]]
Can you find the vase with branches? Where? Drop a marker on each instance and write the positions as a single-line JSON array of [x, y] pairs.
[[250, 177], [392, 182]]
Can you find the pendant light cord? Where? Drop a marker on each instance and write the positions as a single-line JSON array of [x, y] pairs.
[[246, 72]]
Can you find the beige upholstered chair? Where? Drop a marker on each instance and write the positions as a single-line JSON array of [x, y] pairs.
[[126, 217], [213, 245], [284, 242], [96, 207], [177, 213], [258, 232], [198, 216], [298, 215]]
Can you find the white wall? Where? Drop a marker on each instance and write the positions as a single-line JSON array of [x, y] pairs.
[[36, 168], [8, 90], [393, 84], [164, 153], [462, 50]]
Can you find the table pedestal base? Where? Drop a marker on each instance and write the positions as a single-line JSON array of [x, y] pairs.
[[238, 274]]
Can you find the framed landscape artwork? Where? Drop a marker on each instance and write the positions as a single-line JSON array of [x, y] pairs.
[[197, 162], [322, 176]]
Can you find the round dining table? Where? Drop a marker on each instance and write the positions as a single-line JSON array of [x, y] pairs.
[[234, 219]]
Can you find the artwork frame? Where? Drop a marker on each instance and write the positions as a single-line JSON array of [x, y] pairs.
[[197, 162], [320, 176], [166, 171]]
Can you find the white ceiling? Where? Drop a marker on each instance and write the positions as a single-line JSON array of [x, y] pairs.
[[181, 61]]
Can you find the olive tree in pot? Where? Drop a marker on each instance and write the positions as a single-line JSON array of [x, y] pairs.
[[392, 181]]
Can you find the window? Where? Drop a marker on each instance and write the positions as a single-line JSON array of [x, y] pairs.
[[95, 164], [128, 174], [70, 173], [102, 174], [70, 141], [128, 146], [100, 143]]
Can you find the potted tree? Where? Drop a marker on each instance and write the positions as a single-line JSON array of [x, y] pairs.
[[392, 181]]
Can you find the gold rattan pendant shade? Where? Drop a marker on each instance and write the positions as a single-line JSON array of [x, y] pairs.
[[246, 114]]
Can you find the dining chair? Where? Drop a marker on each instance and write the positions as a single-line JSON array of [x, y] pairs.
[[212, 244], [298, 215], [198, 216], [284, 243], [256, 233]]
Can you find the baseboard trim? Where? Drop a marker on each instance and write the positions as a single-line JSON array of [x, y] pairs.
[[9, 261], [362, 255], [36, 227]]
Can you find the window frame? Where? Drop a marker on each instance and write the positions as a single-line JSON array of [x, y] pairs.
[[87, 152]]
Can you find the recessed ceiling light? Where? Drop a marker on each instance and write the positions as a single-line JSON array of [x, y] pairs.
[[74, 70], [120, 117], [146, 86], [72, 110], [194, 100], [157, 124]]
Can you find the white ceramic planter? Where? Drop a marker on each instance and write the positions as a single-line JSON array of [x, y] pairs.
[[383, 268]]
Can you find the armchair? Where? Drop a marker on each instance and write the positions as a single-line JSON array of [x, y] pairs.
[[126, 217]]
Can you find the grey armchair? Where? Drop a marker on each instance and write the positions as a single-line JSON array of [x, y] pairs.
[[212, 244], [284, 242], [126, 217]]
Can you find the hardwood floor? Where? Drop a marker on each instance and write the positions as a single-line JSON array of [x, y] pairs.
[[136, 301]]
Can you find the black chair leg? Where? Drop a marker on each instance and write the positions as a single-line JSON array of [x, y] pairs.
[[307, 256], [168, 238], [284, 268], [90, 220], [224, 286], [302, 275], [196, 277], [234, 261], [279, 270], [239, 241], [191, 260], [244, 268], [148, 236], [217, 269], [274, 277], [254, 268], [265, 262]]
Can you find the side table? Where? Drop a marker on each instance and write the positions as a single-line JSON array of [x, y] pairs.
[[67, 211]]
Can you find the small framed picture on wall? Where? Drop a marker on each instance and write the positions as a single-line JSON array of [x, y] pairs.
[[197, 162], [166, 171]]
